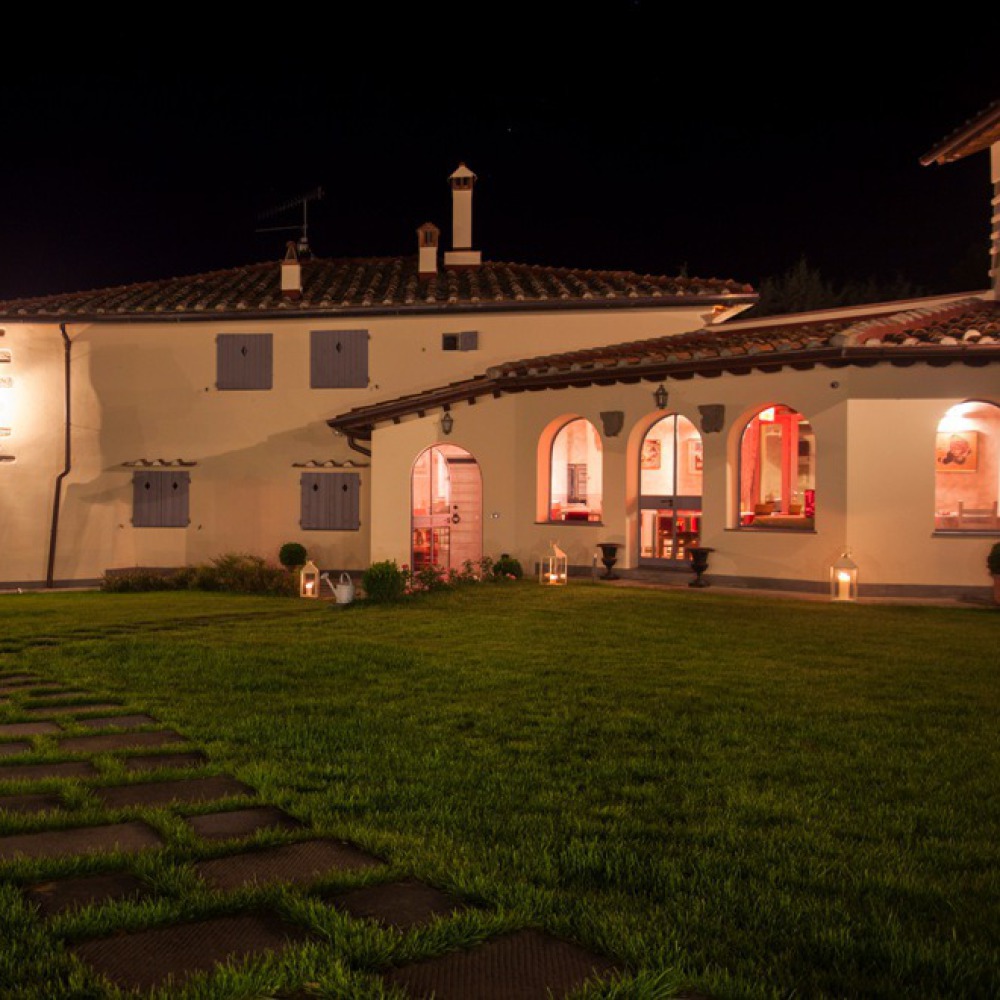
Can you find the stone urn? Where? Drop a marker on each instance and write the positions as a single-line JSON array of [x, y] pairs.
[[609, 556]]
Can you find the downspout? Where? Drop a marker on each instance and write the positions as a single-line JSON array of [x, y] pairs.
[[67, 460], [354, 446]]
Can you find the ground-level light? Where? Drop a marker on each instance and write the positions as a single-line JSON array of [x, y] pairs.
[[553, 571], [844, 579], [309, 580]]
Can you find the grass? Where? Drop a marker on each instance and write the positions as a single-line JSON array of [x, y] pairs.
[[745, 797]]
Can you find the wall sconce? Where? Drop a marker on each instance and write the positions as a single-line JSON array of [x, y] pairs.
[[554, 571], [447, 422], [309, 580], [661, 397], [844, 579]]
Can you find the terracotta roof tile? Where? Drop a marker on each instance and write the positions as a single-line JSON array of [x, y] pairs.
[[362, 284], [967, 330]]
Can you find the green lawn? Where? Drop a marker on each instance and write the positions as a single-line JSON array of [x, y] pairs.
[[745, 797]]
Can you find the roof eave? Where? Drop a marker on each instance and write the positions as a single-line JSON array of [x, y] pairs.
[[421, 308], [360, 423]]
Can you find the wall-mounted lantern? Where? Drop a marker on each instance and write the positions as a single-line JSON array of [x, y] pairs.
[[447, 422], [660, 396], [844, 579], [309, 580], [553, 571]]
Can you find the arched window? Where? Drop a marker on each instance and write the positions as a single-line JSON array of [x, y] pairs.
[[778, 470], [575, 473], [967, 468]]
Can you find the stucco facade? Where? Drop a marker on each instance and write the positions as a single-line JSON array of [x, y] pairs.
[[875, 429]]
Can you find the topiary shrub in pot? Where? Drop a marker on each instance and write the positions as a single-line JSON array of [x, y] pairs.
[[292, 555]]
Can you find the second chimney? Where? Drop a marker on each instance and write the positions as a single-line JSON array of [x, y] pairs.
[[428, 236]]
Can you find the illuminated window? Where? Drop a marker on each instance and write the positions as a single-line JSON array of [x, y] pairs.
[[967, 468], [575, 473], [778, 471]]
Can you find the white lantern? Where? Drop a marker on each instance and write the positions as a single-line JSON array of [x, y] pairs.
[[553, 571], [844, 579], [309, 580]]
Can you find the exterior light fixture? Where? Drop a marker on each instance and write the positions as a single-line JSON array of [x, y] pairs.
[[844, 579], [661, 397], [309, 580], [553, 571], [447, 422]]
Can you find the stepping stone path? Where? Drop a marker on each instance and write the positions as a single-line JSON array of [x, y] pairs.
[[521, 966], [241, 823], [401, 905]]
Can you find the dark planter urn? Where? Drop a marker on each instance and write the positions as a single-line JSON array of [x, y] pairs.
[[699, 564], [609, 556]]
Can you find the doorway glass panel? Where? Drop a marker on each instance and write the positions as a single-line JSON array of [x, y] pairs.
[[446, 512], [670, 487]]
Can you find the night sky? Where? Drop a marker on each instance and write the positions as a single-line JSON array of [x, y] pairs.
[[639, 142]]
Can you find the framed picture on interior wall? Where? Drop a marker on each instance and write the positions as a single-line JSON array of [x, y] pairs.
[[696, 455], [957, 451], [650, 454]]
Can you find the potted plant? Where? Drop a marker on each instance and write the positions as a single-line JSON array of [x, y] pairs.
[[993, 565]]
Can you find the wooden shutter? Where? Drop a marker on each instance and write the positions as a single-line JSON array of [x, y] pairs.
[[330, 501], [160, 499], [338, 359], [244, 361], [468, 340]]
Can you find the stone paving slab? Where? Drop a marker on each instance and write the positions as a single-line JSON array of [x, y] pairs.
[[126, 837], [146, 959], [20, 677], [35, 772], [159, 761], [102, 742], [29, 729], [56, 711], [241, 822], [28, 687], [12, 749], [119, 721], [30, 802], [74, 893], [298, 864], [528, 965], [405, 904], [161, 793]]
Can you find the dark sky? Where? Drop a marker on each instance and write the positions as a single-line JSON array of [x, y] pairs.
[[636, 142]]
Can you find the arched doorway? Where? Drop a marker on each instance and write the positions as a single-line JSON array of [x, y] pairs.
[[670, 477], [446, 508]]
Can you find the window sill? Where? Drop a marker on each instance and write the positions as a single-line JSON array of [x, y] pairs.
[[749, 529], [574, 524], [965, 533]]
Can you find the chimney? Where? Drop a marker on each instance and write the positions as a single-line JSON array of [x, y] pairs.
[[291, 274], [428, 236], [461, 253]]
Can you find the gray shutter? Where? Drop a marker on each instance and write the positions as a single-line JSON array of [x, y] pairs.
[[338, 359], [145, 499], [468, 340], [244, 361], [330, 501], [174, 499]]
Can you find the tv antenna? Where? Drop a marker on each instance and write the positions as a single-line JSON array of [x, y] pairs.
[[303, 227]]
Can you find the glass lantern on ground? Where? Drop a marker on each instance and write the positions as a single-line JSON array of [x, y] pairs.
[[553, 570], [309, 580], [844, 579]]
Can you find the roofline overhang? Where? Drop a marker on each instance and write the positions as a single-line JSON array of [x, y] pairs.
[[361, 423], [969, 134], [417, 309]]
